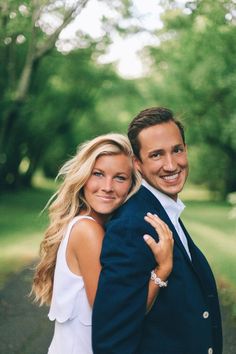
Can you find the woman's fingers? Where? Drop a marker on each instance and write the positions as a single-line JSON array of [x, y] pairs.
[[155, 220], [162, 250], [161, 228], [150, 241]]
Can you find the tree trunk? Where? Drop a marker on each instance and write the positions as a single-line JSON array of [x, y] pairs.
[[10, 139]]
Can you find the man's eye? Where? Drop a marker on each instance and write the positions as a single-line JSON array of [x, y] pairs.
[[178, 149], [155, 155]]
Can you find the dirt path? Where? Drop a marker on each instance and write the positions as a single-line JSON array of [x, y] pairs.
[[25, 329]]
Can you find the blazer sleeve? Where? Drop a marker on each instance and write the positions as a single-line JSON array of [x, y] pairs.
[[120, 303]]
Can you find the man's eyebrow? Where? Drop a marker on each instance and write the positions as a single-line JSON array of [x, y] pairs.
[[178, 145], [155, 151]]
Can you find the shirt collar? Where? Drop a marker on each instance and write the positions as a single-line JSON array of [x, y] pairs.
[[172, 207]]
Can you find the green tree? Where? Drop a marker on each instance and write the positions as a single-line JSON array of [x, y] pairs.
[[23, 45], [195, 74], [44, 93], [81, 100]]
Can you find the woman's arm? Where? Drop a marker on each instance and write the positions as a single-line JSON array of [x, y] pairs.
[[83, 254], [84, 248], [163, 253]]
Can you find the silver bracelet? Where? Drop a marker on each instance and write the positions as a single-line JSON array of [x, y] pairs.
[[158, 281]]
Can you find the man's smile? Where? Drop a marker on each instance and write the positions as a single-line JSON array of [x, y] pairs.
[[171, 177]]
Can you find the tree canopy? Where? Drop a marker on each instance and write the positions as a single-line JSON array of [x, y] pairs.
[[52, 97], [194, 72], [49, 97]]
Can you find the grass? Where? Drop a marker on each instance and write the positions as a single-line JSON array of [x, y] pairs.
[[22, 226], [214, 232], [21, 229]]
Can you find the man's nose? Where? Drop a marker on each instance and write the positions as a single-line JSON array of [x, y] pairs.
[[170, 163]]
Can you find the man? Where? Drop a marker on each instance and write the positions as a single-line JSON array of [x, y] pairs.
[[185, 317]]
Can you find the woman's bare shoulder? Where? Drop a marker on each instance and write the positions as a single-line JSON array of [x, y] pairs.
[[86, 230]]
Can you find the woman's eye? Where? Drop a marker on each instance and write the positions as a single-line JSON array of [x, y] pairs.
[[121, 178], [97, 174]]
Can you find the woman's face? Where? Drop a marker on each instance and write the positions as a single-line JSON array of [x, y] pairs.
[[108, 185]]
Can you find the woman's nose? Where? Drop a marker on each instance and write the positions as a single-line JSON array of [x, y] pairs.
[[107, 185]]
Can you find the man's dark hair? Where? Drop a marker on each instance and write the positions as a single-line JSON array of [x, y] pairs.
[[147, 118]]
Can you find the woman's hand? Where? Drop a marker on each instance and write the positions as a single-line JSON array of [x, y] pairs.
[[162, 250]]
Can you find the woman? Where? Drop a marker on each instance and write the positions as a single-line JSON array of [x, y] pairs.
[[96, 182]]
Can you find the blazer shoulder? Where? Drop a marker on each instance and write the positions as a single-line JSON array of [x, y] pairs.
[[139, 204]]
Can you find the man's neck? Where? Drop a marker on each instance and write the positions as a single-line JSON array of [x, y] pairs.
[[157, 192]]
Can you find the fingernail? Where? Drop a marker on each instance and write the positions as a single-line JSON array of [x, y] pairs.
[[146, 237]]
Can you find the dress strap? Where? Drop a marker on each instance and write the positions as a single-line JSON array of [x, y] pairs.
[[75, 219]]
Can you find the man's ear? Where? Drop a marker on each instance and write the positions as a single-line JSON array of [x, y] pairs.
[[137, 163]]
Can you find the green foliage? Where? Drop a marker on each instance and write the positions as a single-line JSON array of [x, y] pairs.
[[82, 100], [209, 166], [214, 232], [195, 74], [51, 101], [21, 228]]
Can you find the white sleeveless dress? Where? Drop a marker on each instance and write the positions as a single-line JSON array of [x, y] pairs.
[[69, 307]]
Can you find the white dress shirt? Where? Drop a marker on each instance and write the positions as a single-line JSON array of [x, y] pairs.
[[173, 209]]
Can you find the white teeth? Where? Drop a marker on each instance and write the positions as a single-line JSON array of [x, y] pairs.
[[170, 178]]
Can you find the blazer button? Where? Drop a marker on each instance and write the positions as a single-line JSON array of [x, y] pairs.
[[210, 351], [205, 314]]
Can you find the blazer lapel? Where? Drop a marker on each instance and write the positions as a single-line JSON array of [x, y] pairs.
[[160, 211], [192, 247], [177, 239], [198, 260], [196, 263]]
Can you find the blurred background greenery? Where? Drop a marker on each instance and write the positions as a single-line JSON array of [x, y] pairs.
[[57, 92]]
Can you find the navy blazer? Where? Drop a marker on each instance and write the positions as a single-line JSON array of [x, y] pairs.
[[185, 318]]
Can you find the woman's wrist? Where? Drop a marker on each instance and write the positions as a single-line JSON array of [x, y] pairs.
[[158, 281], [162, 273]]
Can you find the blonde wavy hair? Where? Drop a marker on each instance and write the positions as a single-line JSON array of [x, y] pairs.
[[69, 200]]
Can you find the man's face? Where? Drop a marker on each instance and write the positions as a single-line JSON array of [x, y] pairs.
[[163, 158]]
